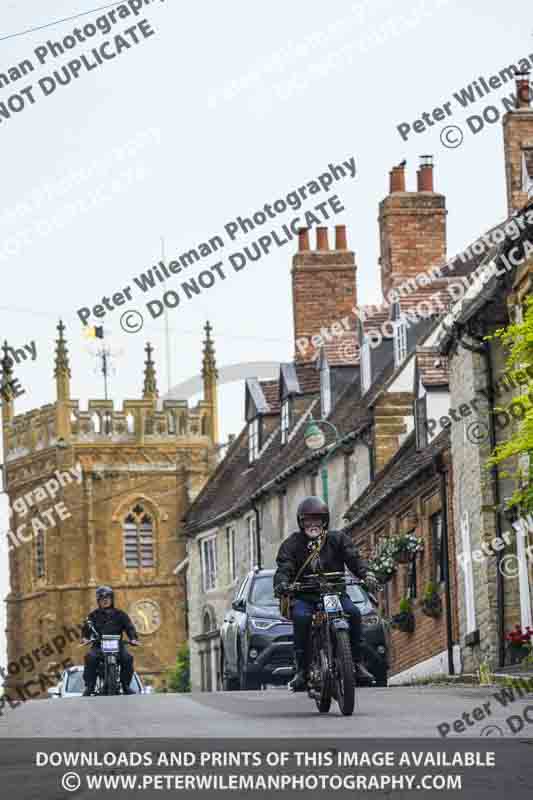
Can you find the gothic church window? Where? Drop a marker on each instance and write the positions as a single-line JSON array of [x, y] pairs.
[[138, 539]]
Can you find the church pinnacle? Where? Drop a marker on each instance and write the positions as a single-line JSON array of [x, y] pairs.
[[150, 380], [210, 375]]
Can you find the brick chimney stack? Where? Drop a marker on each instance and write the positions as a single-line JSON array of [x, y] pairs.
[[323, 288], [412, 227], [518, 137]]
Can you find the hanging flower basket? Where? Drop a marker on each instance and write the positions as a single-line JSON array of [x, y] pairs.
[[431, 604], [404, 548], [519, 644], [404, 621]]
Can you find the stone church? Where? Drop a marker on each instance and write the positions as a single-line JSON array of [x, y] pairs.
[[137, 471]]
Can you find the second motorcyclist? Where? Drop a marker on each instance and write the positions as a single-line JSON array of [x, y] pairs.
[[108, 620]]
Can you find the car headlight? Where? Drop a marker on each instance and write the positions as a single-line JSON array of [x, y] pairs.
[[371, 619], [263, 624]]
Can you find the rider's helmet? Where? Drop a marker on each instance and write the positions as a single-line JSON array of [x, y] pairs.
[[105, 591], [313, 516]]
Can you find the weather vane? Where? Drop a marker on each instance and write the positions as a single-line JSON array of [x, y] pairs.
[[103, 353]]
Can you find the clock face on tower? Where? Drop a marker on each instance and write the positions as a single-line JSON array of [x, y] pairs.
[[146, 616]]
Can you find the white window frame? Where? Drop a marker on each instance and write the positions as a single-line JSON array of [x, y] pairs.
[[365, 365], [208, 562], [232, 556], [252, 540], [400, 341], [285, 420], [253, 440]]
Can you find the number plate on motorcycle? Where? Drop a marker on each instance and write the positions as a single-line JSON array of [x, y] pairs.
[[109, 646], [332, 603]]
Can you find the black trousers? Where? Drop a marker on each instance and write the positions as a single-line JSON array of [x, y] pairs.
[[91, 666], [302, 615]]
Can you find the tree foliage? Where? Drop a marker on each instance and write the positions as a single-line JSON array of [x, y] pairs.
[[518, 339], [179, 679]]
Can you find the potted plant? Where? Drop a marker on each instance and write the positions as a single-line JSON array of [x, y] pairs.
[[519, 643], [405, 547], [431, 602], [405, 620], [383, 565]]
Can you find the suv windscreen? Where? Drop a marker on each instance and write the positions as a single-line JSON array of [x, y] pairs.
[[262, 593]]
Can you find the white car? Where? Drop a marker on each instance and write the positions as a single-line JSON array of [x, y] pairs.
[[73, 685]]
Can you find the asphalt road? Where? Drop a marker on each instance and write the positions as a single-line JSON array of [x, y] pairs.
[[393, 712]]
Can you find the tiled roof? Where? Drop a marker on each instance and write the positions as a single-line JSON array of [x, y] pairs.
[[271, 392], [402, 468], [433, 367]]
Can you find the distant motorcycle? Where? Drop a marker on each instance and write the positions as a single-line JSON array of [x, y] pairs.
[[108, 669], [331, 674]]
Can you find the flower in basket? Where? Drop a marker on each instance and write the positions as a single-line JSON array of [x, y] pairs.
[[407, 543], [519, 638]]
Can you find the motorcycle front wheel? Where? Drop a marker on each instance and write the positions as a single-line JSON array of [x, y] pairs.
[[323, 699], [111, 686], [344, 677]]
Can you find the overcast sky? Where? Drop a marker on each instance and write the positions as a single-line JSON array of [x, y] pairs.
[[228, 106]]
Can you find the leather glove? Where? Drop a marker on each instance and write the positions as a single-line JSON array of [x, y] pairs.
[[371, 581], [281, 589]]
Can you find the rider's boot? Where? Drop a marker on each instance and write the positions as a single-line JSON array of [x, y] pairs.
[[88, 691], [127, 690], [299, 682], [362, 675]]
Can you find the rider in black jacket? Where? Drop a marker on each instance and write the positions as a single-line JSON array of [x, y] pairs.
[[106, 619], [334, 550]]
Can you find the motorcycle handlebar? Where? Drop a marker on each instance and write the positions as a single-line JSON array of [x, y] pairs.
[[96, 641]]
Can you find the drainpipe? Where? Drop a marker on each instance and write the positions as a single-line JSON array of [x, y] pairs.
[[484, 350], [441, 471], [258, 534]]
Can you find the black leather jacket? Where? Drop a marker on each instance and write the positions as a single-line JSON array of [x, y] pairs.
[[337, 552], [109, 621]]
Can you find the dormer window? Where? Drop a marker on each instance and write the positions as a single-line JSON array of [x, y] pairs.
[[253, 440], [325, 390], [400, 342], [365, 365], [285, 420]]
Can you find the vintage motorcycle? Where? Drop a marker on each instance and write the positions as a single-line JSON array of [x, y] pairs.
[[108, 671], [331, 673]]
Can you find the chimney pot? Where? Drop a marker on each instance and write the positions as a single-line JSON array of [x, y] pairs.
[[340, 237], [425, 174], [397, 179], [523, 90], [322, 238], [303, 239]]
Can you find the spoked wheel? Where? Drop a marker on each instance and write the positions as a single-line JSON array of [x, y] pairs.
[[345, 680], [323, 696], [111, 683]]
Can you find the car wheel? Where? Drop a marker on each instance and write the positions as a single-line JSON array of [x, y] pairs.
[[229, 684]]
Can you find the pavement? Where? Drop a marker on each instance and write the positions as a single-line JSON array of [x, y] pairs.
[[403, 712]]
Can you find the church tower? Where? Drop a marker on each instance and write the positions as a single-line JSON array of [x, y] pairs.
[[97, 496]]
